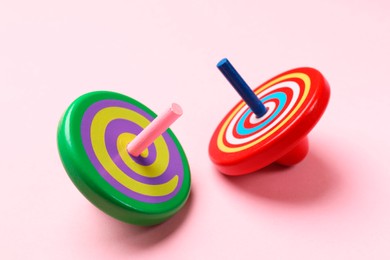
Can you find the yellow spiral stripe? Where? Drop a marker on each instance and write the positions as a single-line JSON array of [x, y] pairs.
[[98, 127], [226, 149]]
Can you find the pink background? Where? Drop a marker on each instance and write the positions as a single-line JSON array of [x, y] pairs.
[[334, 205]]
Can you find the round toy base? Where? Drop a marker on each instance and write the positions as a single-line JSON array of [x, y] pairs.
[[296, 155], [296, 100], [104, 177]]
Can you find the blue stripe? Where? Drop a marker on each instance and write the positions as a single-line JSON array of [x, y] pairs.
[[242, 130]]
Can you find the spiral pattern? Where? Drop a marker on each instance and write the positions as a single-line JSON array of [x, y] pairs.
[[283, 97], [107, 127]]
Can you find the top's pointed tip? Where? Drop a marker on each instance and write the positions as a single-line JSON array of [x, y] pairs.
[[222, 62], [176, 109]]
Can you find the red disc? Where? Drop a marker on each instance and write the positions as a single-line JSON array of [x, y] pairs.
[[295, 101]]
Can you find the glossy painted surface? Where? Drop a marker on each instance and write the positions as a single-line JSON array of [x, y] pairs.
[[332, 205], [295, 101], [92, 139]]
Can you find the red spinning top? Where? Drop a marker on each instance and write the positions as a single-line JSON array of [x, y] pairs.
[[271, 123]]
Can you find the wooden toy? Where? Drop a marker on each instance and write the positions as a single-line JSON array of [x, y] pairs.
[[122, 159], [271, 123]]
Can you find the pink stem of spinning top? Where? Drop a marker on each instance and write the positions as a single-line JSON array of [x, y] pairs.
[[158, 126]]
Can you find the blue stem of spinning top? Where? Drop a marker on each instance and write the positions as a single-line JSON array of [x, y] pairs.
[[241, 87]]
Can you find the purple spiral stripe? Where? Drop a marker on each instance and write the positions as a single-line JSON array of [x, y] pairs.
[[117, 127], [112, 131]]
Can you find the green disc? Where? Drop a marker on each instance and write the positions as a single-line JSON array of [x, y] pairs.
[[92, 138]]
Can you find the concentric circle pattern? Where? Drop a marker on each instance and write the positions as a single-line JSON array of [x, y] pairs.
[[295, 100], [107, 127], [282, 98]]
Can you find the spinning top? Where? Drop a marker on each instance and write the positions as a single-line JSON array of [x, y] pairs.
[[122, 159], [271, 123]]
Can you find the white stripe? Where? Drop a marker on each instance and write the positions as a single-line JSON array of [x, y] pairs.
[[237, 141]]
